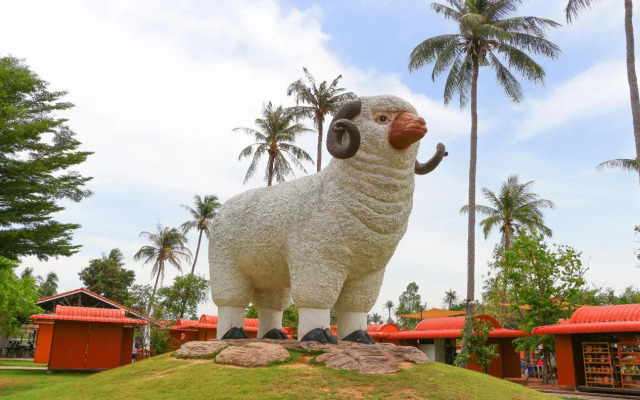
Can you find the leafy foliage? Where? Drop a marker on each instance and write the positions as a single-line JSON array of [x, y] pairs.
[[168, 245], [389, 305], [275, 138], [512, 210], [107, 276], [159, 340], [321, 100], [547, 280], [17, 297], [290, 315], [450, 298], [181, 299], [479, 352], [409, 302], [139, 298], [202, 218], [46, 287], [36, 151]]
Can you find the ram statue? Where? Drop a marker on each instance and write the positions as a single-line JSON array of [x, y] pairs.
[[323, 240]]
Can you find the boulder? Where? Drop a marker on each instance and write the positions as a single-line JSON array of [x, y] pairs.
[[366, 359], [253, 354], [200, 349]]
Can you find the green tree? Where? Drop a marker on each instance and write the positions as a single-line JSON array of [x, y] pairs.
[[167, 246], [450, 297], [37, 149], [512, 210], [275, 138], [374, 318], [322, 100], [18, 298], [290, 315], [49, 286], [139, 298], [202, 218], [573, 9], [409, 302], [480, 353], [181, 299], [389, 305], [107, 276], [485, 30], [547, 280]]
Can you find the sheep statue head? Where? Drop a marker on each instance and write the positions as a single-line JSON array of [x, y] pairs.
[[323, 240]]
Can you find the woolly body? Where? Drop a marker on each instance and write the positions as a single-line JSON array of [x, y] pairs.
[[323, 240]]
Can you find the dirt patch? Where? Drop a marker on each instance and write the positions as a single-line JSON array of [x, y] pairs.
[[406, 365], [7, 382], [353, 392], [296, 366]]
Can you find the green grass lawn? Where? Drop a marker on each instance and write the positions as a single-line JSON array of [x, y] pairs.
[[164, 377], [19, 363], [24, 381]]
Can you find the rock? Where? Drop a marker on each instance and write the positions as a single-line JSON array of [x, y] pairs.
[[200, 349], [366, 359], [408, 353], [253, 354]]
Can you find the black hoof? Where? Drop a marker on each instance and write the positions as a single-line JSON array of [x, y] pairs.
[[359, 336], [275, 334], [321, 336], [236, 333]]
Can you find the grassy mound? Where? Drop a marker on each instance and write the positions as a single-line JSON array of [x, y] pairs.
[[165, 377]]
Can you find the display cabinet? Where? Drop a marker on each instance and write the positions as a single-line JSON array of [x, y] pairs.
[[599, 366], [629, 359]]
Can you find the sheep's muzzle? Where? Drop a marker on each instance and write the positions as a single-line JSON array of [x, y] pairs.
[[406, 129]]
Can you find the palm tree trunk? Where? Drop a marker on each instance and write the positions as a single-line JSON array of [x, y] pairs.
[[270, 177], [319, 159], [631, 76], [155, 286], [471, 228], [195, 259]]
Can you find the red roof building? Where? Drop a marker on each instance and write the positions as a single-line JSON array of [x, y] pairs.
[[437, 338], [598, 348], [85, 338]]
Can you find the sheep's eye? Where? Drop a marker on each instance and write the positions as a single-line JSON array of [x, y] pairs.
[[382, 119]]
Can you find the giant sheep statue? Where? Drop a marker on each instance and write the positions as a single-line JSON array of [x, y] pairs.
[[322, 240]]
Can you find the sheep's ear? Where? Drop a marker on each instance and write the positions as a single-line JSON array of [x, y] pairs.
[[423, 169], [340, 124]]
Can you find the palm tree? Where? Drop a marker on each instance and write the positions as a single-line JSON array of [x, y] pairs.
[[513, 209], [376, 318], [623, 164], [203, 213], [484, 32], [574, 7], [389, 305], [167, 245], [50, 285], [275, 138], [322, 100], [450, 297]]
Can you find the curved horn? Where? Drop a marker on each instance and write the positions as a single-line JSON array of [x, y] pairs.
[[423, 169], [340, 124]]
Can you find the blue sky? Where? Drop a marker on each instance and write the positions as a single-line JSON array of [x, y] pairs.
[[159, 86]]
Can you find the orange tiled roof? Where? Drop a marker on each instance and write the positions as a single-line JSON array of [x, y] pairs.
[[211, 322], [451, 327], [88, 314], [593, 319], [382, 330], [90, 293]]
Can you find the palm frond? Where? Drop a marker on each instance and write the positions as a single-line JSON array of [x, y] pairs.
[[574, 8], [448, 12], [623, 164], [522, 63], [507, 81], [427, 51]]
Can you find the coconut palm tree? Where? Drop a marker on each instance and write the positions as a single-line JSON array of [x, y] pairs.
[[450, 297], [376, 318], [50, 285], [485, 31], [202, 217], [623, 164], [512, 210], [573, 9], [322, 100], [389, 305], [275, 138], [167, 246]]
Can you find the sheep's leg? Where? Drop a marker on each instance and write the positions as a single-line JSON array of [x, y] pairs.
[[315, 289], [356, 299], [231, 291], [270, 304]]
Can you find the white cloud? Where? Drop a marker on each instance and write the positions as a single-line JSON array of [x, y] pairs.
[[600, 89]]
